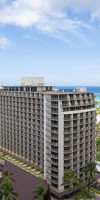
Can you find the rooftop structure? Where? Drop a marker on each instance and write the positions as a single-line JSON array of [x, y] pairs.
[[34, 81]]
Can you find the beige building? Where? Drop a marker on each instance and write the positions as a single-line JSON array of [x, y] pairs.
[[51, 130]]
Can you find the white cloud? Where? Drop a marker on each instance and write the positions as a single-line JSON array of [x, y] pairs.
[[4, 42], [48, 15]]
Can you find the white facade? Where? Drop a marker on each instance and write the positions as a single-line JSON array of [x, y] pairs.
[[60, 147]]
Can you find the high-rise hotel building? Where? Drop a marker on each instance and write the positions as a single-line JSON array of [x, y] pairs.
[[51, 130]]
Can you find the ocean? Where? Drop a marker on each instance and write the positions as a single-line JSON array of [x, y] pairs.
[[94, 89]]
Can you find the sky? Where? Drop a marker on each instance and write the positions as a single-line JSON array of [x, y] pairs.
[[55, 39]]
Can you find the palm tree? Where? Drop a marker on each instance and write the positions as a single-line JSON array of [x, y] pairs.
[[84, 194], [90, 168], [79, 183], [39, 192], [6, 176], [69, 179], [6, 187], [7, 192]]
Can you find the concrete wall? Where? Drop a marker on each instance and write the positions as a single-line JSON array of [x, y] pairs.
[[60, 148]]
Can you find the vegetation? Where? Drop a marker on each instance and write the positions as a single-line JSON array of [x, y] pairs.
[[97, 102], [7, 177], [84, 194], [91, 169], [98, 111], [98, 157], [69, 179], [6, 187], [98, 144], [7, 192], [98, 129], [84, 190], [41, 194], [98, 149]]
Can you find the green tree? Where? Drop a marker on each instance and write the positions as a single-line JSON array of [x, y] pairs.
[[6, 176], [90, 168], [84, 194], [69, 179], [7, 192], [39, 192], [6, 187]]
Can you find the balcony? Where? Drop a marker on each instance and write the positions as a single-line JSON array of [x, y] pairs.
[[54, 156], [67, 138], [48, 117], [54, 175], [48, 147], [48, 99], [67, 144], [54, 162], [48, 171], [75, 161], [67, 164], [48, 141], [48, 135], [48, 129], [75, 142], [75, 136], [55, 143], [67, 124], [54, 181], [54, 137], [68, 132], [75, 124], [67, 151], [54, 169], [54, 124], [48, 159], [48, 124], [67, 119], [48, 111], [54, 98], [67, 157], [75, 155], [54, 105], [54, 150], [75, 149]]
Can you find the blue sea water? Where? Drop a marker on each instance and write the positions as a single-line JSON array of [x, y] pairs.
[[94, 89]]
